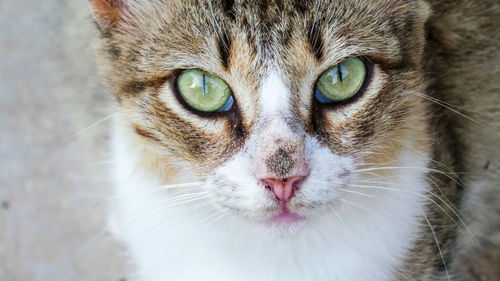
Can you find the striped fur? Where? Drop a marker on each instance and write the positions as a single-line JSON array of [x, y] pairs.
[[388, 193]]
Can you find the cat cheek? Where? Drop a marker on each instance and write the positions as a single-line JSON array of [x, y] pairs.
[[330, 174]]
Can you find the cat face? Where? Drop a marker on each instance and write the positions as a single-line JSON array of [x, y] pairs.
[[277, 154]]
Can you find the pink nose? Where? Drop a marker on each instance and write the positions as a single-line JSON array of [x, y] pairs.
[[283, 189]]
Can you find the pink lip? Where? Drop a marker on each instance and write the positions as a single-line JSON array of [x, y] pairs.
[[285, 216]]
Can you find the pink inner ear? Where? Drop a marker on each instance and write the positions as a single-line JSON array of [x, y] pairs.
[[110, 10]]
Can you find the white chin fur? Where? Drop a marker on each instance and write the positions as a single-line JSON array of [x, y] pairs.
[[178, 243]]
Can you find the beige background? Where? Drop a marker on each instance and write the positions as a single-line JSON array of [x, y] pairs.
[[52, 190]]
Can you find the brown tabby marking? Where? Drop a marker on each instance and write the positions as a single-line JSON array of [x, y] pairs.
[[410, 46]]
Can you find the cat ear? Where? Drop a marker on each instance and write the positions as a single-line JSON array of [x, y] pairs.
[[108, 11]]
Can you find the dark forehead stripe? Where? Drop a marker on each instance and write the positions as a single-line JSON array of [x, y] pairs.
[[302, 6], [227, 7], [221, 22], [314, 33], [224, 47], [316, 40], [274, 21]]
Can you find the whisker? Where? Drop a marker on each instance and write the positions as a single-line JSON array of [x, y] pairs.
[[156, 226], [187, 184], [355, 192], [181, 198], [199, 205], [400, 167], [449, 104], [338, 216], [411, 192], [433, 182], [430, 192], [160, 188], [431, 200], [79, 133], [453, 208], [449, 175], [448, 107], [451, 172], [164, 205], [218, 215], [353, 204], [91, 240], [437, 244]]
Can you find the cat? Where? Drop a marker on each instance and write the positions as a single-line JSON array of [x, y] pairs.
[[305, 140]]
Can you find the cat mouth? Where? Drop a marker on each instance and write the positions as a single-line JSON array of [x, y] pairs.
[[285, 216]]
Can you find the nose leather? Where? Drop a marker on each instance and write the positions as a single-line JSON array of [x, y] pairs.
[[283, 189]]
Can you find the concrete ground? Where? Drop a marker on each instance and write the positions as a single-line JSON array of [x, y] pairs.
[[53, 184]]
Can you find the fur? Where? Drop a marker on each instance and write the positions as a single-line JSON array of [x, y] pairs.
[[390, 188]]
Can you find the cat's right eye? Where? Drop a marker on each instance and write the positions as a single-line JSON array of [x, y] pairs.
[[341, 82], [204, 92]]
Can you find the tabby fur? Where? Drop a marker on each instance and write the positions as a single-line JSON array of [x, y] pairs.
[[433, 93]]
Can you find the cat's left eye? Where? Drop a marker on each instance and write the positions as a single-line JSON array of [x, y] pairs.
[[341, 82], [204, 92]]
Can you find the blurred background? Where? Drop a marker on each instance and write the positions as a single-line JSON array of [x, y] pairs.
[[53, 171]]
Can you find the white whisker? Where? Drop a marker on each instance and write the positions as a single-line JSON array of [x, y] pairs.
[[172, 186], [218, 215], [437, 244], [79, 133], [154, 208], [353, 204], [429, 199], [436, 101], [338, 216], [355, 192]]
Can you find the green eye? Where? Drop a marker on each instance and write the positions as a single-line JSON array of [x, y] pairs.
[[341, 82], [203, 91]]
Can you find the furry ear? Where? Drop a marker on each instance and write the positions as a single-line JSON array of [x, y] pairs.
[[108, 11]]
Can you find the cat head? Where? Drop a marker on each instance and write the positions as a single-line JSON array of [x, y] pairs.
[[284, 109]]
